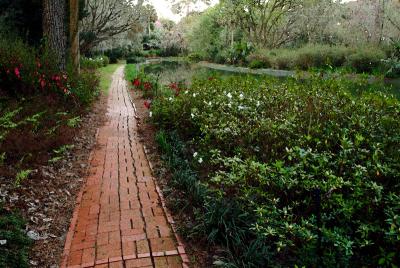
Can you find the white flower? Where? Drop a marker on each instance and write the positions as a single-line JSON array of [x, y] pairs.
[[241, 96], [194, 154], [229, 95], [186, 92], [200, 160], [170, 98], [240, 107], [192, 115], [194, 95], [150, 114], [258, 103]]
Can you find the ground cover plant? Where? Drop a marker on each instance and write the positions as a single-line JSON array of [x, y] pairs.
[[287, 173], [40, 112]]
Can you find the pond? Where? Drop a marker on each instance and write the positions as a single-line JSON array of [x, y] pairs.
[[170, 71]]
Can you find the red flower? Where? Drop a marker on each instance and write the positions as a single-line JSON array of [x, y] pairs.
[[17, 74], [147, 85], [173, 86], [136, 82], [56, 78], [147, 104], [211, 78]]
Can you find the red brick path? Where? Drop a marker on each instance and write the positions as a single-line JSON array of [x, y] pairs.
[[119, 220]]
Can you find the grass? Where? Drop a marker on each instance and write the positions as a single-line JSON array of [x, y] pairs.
[[130, 72], [106, 76]]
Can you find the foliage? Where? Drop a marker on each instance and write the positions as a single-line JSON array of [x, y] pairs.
[[94, 63], [14, 253], [359, 60], [133, 60], [366, 60], [308, 169], [21, 176], [147, 83]]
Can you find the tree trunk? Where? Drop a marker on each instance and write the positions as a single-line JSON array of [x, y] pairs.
[[54, 29], [379, 4], [74, 33]]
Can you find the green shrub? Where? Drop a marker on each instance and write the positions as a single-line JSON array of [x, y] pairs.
[[259, 59], [257, 64], [94, 63], [133, 60], [14, 253], [85, 86], [309, 167], [195, 57], [282, 61], [366, 60]]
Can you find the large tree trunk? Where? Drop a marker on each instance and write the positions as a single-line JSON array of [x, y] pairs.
[[54, 29], [74, 33]]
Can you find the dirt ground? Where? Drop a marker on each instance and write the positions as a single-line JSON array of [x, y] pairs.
[[47, 198]]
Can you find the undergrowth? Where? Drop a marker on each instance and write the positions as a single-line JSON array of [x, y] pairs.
[[14, 243]]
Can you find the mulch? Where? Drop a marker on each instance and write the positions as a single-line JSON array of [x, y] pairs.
[[47, 198]]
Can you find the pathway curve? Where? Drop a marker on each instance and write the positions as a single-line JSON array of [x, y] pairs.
[[120, 220]]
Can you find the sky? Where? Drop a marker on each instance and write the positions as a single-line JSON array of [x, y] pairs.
[[163, 8]]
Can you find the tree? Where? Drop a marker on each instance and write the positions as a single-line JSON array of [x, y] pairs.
[[266, 22], [54, 29], [74, 33], [106, 19]]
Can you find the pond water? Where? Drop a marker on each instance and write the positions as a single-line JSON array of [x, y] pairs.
[[183, 71]]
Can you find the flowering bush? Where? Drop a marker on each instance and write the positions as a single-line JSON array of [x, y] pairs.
[[311, 169], [146, 83], [94, 63], [25, 71]]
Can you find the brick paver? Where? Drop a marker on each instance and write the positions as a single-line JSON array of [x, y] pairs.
[[120, 220]]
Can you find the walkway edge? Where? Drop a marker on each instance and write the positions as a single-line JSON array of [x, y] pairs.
[[70, 233], [170, 219]]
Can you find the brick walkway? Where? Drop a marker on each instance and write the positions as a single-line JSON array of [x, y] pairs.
[[120, 220]]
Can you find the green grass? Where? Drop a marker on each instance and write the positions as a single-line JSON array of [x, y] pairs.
[[130, 72], [106, 76]]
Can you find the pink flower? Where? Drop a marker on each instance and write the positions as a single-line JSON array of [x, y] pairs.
[[42, 83], [17, 74]]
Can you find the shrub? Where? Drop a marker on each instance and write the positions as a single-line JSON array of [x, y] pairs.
[[14, 253], [366, 60], [311, 168], [25, 71], [94, 63], [259, 59], [133, 60], [85, 86], [257, 64], [195, 57], [282, 61]]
